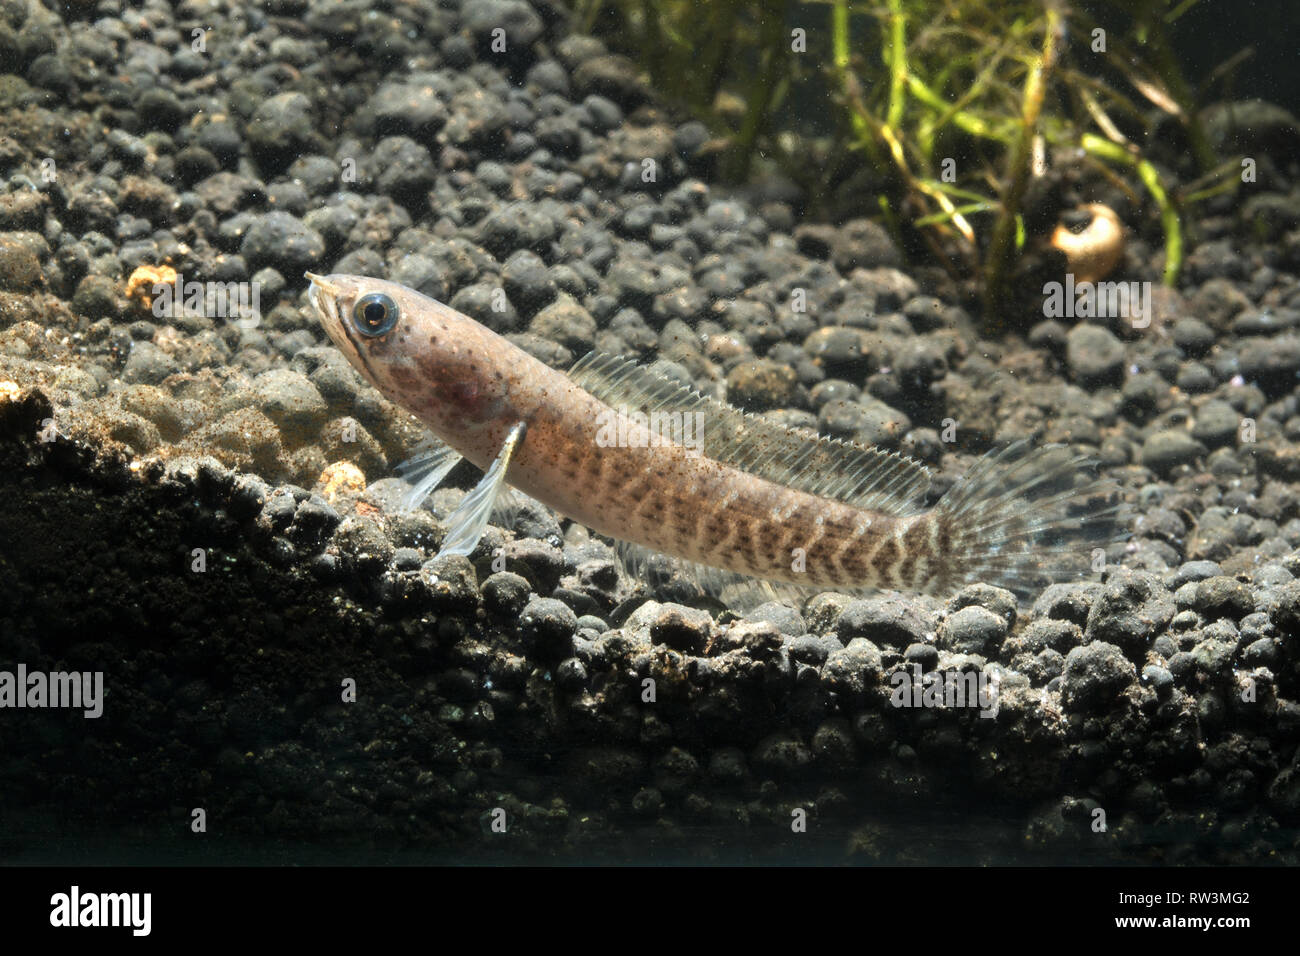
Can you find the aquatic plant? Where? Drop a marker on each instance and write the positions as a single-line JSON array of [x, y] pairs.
[[956, 105]]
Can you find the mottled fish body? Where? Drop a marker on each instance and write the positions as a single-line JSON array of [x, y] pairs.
[[635, 456]]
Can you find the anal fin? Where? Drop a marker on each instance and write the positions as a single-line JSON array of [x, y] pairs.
[[741, 592]]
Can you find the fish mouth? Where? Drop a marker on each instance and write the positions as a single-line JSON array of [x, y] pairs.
[[326, 298], [321, 282]]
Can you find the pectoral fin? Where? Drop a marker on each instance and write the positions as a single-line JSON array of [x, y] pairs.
[[425, 470], [466, 523]]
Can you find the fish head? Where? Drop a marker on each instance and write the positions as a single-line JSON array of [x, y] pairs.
[[420, 353]]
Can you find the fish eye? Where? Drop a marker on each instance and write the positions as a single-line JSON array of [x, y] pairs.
[[374, 314]]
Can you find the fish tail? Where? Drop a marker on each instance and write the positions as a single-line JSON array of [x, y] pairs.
[[1023, 517]]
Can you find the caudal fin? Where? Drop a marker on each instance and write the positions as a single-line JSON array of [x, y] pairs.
[[1024, 517]]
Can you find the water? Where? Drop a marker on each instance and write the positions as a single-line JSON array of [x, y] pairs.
[[202, 510]]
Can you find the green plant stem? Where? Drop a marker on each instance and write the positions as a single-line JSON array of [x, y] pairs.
[[772, 70], [1149, 22], [963, 120], [897, 63], [842, 59], [1002, 245], [1098, 146]]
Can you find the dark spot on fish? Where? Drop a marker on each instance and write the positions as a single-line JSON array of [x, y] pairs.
[[745, 543], [943, 534], [909, 565], [885, 555], [853, 566]]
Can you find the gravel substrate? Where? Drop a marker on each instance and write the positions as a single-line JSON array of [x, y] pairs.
[[1152, 715]]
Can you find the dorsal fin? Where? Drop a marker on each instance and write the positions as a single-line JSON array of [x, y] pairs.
[[827, 467]]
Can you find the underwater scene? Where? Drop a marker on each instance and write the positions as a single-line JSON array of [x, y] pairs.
[[494, 432]]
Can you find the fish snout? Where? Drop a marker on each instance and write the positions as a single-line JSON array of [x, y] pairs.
[[325, 296]]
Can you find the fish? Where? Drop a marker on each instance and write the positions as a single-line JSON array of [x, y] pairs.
[[746, 507]]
